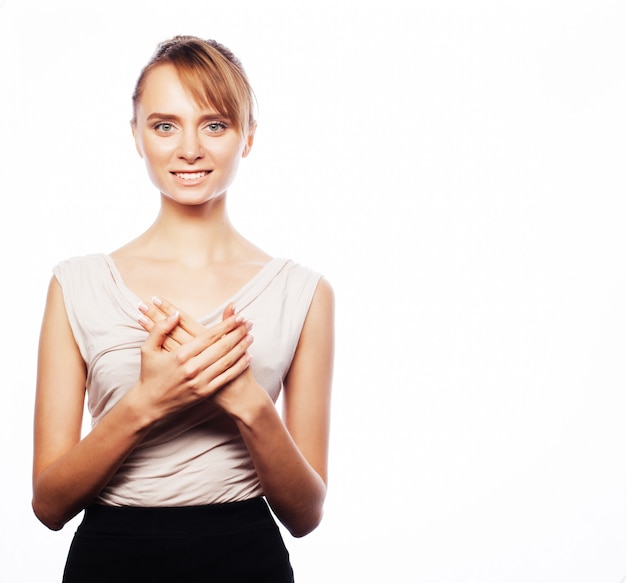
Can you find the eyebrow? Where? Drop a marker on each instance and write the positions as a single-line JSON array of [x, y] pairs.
[[206, 117]]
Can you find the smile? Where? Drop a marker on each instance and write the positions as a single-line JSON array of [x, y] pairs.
[[191, 175]]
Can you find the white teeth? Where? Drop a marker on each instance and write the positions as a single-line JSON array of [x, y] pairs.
[[190, 175]]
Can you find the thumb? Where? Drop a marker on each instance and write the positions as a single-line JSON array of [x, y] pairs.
[[158, 334], [228, 312]]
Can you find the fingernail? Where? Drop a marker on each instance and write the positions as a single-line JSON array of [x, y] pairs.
[[143, 307], [173, 316], [157, 301], [239, 319], [249, 325], [250, 338], [143, 320]]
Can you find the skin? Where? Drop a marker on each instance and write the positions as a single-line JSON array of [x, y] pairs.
[[193, 256]]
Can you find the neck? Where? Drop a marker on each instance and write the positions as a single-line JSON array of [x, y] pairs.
[[196, 235]]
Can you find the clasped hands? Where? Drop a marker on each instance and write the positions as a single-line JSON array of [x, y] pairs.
[[183, 362]]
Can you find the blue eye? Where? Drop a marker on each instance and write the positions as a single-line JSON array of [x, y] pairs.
[[164, 127], [215, 127]]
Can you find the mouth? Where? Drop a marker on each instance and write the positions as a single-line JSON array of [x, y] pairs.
[[191, 175]]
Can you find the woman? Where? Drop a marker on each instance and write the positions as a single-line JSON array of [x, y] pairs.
[[186, 442]]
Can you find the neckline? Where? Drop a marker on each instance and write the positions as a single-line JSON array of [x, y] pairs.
[[241, 298]]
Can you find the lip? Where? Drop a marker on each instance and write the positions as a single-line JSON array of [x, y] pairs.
[[189, 177]]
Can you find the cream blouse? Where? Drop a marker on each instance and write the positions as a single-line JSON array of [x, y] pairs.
[[196, 456]]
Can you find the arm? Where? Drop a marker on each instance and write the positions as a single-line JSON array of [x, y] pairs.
[[290, 457], [69, 472]]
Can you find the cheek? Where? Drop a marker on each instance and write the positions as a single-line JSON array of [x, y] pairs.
[[228, 159], [155, 158], [229, 153], [154, 148], [154, 152]]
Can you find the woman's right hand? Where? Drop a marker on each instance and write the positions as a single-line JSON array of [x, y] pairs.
[[174, 377]]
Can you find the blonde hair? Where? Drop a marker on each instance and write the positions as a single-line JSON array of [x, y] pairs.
[[212, 75]]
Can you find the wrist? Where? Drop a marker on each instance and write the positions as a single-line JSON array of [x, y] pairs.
[[137, 413], [252, 410]]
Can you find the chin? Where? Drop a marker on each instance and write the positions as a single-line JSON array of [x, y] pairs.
[[191, 200]]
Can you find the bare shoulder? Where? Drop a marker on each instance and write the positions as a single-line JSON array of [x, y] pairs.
[[55, 313], [322, 306], [324, 293], [56, 332], [317, 336]]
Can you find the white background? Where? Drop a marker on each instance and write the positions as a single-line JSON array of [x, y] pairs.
[[456, 170]]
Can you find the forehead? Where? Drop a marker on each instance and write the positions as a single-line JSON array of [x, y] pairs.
[[163, 91]]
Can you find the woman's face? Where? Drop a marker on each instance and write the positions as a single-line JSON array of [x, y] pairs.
[[191, 152]]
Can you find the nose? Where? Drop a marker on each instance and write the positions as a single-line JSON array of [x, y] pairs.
[[190, 147]]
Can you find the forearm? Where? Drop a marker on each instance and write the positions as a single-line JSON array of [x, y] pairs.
[[69, 484], [294, 490]]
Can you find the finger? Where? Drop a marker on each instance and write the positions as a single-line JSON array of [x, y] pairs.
[[230, 374], [228, 367], [160, 309], [146, 323], [189, 328], [228, 312], [214, 343], [159, 332], [147, 318], [221, 329], [153, 314]]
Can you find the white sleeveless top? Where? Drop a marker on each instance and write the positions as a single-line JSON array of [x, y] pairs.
[[197, 456]]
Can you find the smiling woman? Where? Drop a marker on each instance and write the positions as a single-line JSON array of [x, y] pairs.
[[187, 448], [191, 151]]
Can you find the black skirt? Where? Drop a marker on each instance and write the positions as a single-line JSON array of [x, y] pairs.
[[220, 543]]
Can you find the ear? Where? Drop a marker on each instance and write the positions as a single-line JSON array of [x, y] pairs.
[[249, 140], [133, 128]]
